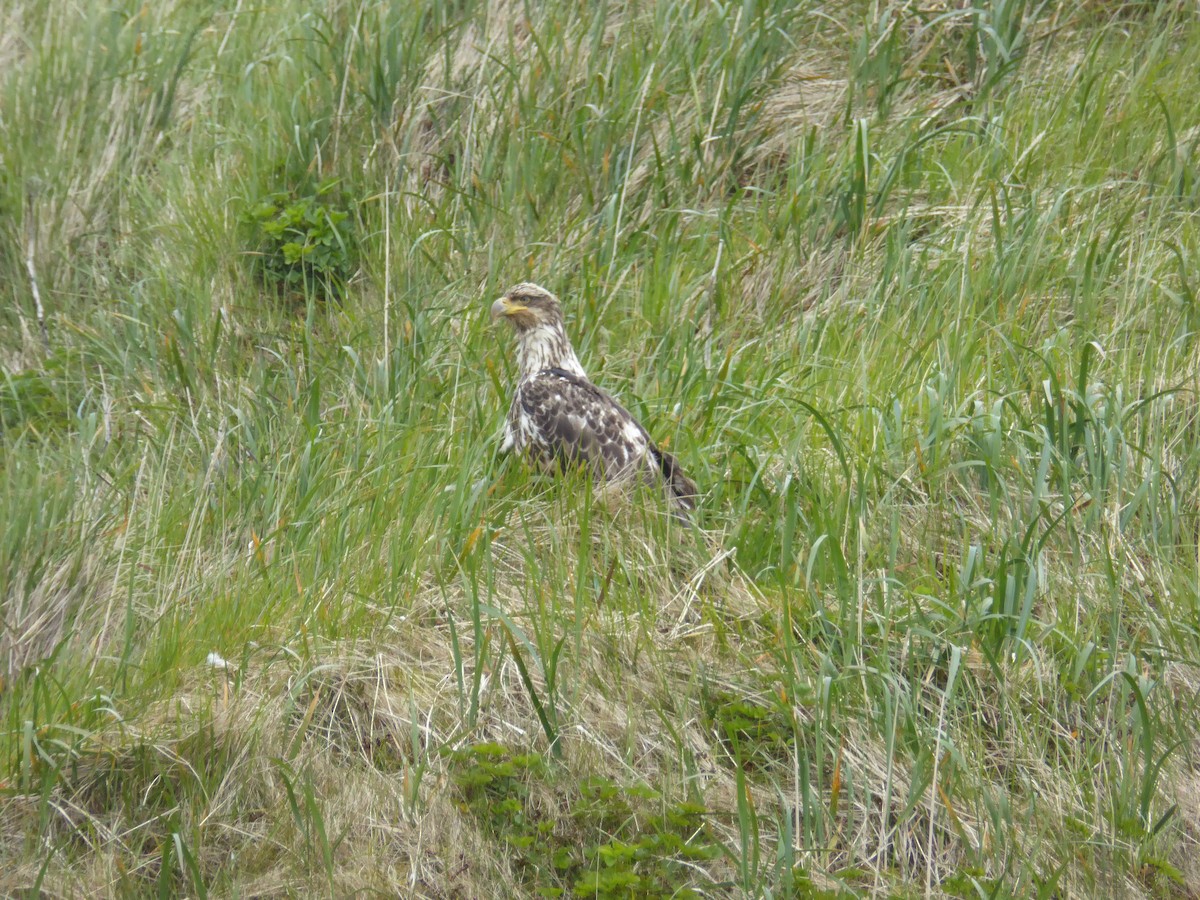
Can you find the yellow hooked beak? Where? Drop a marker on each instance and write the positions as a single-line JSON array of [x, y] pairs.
[[505, 307]]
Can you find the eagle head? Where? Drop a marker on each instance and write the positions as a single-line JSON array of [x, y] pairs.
[[529, 306]]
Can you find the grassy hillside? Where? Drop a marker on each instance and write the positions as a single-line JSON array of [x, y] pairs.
[[910, 288]]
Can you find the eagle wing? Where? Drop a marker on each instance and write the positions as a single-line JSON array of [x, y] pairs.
[[568, 420], [563, 419]]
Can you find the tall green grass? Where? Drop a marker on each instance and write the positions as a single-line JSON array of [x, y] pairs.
[[909, 289]]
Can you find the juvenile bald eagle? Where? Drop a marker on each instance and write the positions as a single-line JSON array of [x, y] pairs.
[[558, 418]]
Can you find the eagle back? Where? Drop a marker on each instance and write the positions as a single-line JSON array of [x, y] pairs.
[[561, 419]]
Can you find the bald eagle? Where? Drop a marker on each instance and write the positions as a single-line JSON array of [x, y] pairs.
[[558, 418]]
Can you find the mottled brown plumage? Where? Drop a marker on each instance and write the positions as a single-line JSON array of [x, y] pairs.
[[558, 418]]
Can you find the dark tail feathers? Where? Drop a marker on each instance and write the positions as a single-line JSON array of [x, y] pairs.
[[683, 489]]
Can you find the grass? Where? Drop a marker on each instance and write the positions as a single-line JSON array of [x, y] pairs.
[[909, 289]]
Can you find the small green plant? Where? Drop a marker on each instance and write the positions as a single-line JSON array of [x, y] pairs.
[[303, 244], [493, 783], [757, 736], [643, 847], [646, 851]]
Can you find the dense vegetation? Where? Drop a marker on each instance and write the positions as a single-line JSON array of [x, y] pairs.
[[910, 288]]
